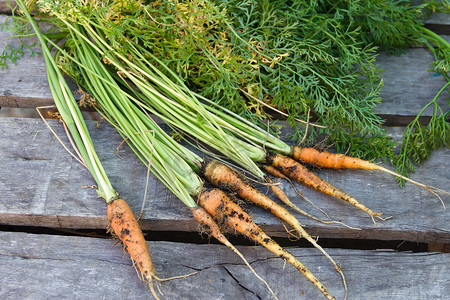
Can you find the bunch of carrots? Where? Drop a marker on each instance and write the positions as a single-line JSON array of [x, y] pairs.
[[128, 90], [102, 86]]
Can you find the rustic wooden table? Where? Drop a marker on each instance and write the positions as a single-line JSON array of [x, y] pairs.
[[42, 187]]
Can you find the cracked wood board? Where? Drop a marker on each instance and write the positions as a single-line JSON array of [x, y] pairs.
[[42, 185], [408, 86], [51, 266]]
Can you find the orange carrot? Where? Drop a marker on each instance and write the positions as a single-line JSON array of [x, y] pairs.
[[285, 199], [300, 173], [326, 159], [219, 205], [277, 173], [213, 229], [126, 228], [274, 172], [223, 177]]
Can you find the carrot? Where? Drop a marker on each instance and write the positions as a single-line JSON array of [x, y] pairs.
[[122, 222], [219, 205], [300, 173], [285, 199], [126, 228], [213, 229], [277, 173], [274, 172], [223, 177], [326, 159]]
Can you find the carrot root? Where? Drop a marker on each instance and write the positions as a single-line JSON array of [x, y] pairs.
[[431, 189], [296, 171], [218, 204], [213, 229], [285, 199], [123, 223], [222, 176], [277, 173], [325, 159], [340, 161]]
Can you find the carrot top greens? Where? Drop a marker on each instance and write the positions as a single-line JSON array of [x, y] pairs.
[[71, 115], [312, 60]]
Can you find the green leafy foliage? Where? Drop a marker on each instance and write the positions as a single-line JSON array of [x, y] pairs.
[[19, 40], [314, 61], [396, 25], [420, 140], [296, 56]]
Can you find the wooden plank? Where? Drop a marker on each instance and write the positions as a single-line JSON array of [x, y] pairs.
[[25, 83], [5, 8], [439, 23], [439, 19], [41, 185], [408, 86], [45, 266]]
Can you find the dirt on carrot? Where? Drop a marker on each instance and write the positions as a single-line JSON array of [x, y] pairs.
[[277, 173], [125, 226], [219, 205], [210, 227], [300, 173], [223, 177], [274, 172], [285, 199], [329, 160]]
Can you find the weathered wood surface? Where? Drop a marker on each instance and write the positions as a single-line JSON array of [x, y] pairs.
[[408, 85], [54, 267], [25, 83], [41, 185], [5, 8]]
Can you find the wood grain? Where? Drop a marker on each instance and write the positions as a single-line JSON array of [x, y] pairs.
[[24, 83], [408, 85], [5, 8], [46, 266], [42, 185]]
